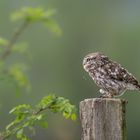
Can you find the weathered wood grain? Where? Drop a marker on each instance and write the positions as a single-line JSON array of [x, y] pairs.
[[103, 119]]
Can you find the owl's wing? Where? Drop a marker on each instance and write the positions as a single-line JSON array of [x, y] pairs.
[[117, 72]]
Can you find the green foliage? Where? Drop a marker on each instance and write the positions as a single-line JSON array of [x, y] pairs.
[[21, 48], [18, 74], [31, 15], [58, 105], [27, 117]]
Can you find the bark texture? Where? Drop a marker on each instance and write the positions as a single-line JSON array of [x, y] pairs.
[[103, 119]]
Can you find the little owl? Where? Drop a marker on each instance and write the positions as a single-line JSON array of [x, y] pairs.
[[110, 76]]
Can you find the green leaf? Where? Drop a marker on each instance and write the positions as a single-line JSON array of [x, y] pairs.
[[73, 117], [66, 115], [20, 108], [3, 41], [47, 101], [43, 124], [17, 72], [20, 48], [50, 12], [53, 26], [19, 134], [39, 117], [28, 117], [31, 14], [10, 125]]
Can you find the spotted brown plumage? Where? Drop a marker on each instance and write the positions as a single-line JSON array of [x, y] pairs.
[[109, 75]]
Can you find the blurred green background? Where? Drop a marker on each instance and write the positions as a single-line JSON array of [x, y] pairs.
[[112, 27]]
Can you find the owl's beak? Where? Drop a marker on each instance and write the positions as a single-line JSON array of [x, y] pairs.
[[85, 65], [84, 62]]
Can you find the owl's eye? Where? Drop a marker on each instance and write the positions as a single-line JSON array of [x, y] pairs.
[[88, 59]]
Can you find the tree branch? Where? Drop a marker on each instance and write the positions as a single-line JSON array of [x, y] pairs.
[[13, 40], [6, 135]]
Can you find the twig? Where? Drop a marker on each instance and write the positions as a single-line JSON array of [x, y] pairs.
[[4, 136], [13, 40]]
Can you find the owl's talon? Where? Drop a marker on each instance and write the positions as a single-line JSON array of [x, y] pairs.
[[101, 96], [106, 95]]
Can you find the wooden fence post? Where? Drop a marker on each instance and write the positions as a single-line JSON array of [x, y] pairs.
[[103, 119]]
